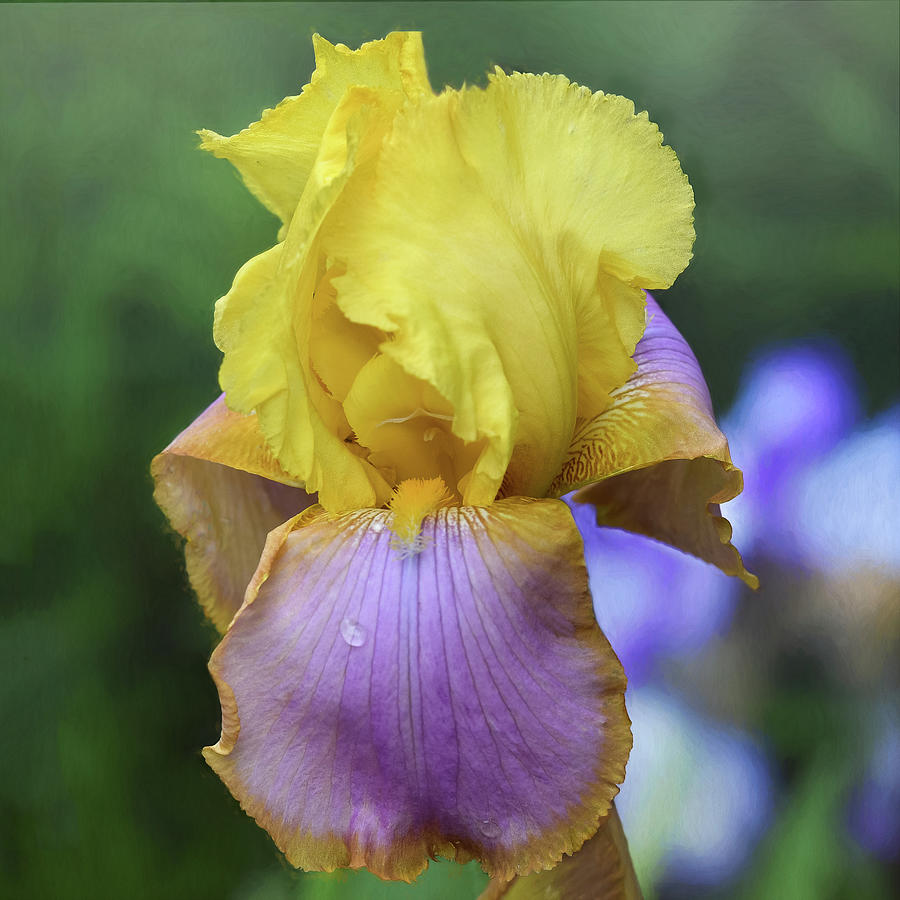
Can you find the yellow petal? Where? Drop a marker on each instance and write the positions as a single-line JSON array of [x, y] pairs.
[[406, 425], [338, 347], [264, 324], [656, 462], [600, 870], [494, 246], [276, 154]]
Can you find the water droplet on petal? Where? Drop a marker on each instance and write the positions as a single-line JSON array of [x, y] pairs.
[[489, 828], [377, 527], [352, 632]]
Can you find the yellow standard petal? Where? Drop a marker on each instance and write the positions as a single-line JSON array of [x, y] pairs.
[[266, 324], [276, 154], [460, 282], [501, 248]]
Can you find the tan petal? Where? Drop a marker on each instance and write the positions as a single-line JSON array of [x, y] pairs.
[[223, 491], [600, 870]]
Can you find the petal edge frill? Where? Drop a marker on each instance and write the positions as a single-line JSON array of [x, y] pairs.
[[495, 218], [656, 462], [222, 490], [380, 710], [276, 154]]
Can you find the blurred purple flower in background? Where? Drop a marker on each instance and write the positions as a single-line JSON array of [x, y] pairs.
[[698, 794], [794, 404], [652, 602], [848, 500], [874, 817], [820, 494]]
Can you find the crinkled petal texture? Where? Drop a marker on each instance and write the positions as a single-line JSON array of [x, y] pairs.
[[655, 462], [223, 491], [276, 154], [501, 246], [600, 870], [379, 709], [265, 324], [475, 260]]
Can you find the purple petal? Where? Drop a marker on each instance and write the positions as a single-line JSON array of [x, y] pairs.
[[655, 462], [462, 702]]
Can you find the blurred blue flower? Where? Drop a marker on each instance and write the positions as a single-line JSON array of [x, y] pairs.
[[820, 495], [847, 502], [651, 601], [697, 796], [794, 405], [874, 816]]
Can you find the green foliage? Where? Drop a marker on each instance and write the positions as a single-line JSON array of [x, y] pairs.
[[119, 236]]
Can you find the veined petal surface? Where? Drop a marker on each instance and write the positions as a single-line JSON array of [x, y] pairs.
[[600, 870], [276, 154], [380, 709], [501, 246], [656, 462], [222, 490]]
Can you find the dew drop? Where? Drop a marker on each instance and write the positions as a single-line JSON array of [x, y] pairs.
[[377, 527], [352, 632], [489, 828]]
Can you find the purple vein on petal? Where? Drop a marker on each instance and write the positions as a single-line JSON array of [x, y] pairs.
[[508, 651], [435, 734]]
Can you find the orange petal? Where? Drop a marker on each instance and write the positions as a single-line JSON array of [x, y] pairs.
[[223, 491], [600, 870], [656, 462]]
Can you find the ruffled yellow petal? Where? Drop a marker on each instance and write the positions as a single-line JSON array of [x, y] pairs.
[[600, 870], [500, 246], [276, 154], [338, 347], [265, 323]]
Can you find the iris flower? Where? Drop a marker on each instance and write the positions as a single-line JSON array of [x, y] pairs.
[[451, 333]]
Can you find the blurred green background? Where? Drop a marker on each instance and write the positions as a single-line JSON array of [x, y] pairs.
[[117, 238]]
